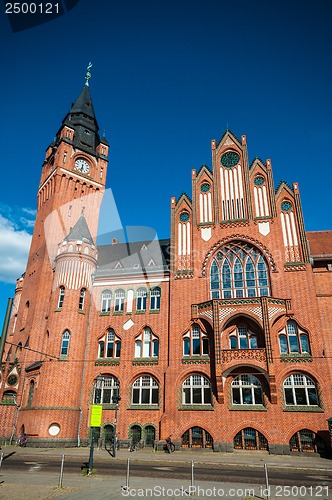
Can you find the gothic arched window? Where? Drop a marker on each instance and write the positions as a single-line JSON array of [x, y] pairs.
[[110, 345], [293, 339], [238, 270], [195, 342], [146, 344], [242, 338], [65, 343]]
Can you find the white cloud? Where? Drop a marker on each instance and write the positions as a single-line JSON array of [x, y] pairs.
[[14, 248]]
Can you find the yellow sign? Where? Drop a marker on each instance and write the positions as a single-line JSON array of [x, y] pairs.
[[95, 419]]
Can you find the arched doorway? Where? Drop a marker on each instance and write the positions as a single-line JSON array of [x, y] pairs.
[[135, 433], [250, 439], [196, 437], [307, 441], [149, 436], [108, 435]]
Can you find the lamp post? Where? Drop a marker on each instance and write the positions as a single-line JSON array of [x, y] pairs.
[[116, 398]]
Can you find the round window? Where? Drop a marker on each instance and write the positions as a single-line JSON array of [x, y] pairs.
[[54, 429], [184, 217], [12, 380], [230, 159], [259, 180], [205, 187], [286, 206]]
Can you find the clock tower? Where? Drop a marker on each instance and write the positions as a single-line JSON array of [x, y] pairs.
[[69, 196]]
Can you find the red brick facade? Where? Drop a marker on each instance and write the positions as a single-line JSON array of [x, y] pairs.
[[219, 337]]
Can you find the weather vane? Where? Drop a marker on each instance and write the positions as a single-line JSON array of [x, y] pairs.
[[88, 74]]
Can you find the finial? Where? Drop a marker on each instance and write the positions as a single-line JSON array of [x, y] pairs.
[[88, 74]]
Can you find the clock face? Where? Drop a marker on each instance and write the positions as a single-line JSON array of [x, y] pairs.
[[82, 166]]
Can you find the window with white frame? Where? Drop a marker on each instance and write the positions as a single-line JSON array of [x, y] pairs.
[[105, 387], [155, 294], [61, 296], [145, 391], [65, 343], [196, 390], [109, 345], [141, 299], [195, 342], [119, 300], [300, 390], [242, 338], [106, 298], [82, 299], [293, 340], [146, 344], [247, 390], [238, 270]]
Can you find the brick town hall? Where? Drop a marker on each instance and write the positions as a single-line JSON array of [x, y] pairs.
[[220, 336]]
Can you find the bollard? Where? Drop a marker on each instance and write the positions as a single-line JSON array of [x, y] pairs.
[[192, 487], [61, 471], [1, 459], [126, 487], [267, 482]]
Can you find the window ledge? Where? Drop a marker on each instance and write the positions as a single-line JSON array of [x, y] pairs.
[[296, 358], [80, 311], [143, 407], [145, 361], [63, 357], [314, 409], [117, 313], [58, 309], [107, 362], [107, 406], [141, 311], [248, 408], [155, 311], [197, 407], [188, 360], [104, 313]]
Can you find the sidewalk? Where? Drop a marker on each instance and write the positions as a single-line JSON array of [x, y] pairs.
[[33, 484]]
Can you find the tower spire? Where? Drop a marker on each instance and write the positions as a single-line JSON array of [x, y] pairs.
[[88, 74]]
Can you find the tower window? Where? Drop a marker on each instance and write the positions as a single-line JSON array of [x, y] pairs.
[[65, 343], [61, 296], [82, 298]]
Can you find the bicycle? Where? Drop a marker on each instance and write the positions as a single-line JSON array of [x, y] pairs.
[[137, 445], [169, 446]]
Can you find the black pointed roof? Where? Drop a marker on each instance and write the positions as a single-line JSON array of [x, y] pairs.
[[80, 231], [82, 119]]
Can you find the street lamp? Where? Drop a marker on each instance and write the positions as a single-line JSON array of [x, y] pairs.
[[115, 398]]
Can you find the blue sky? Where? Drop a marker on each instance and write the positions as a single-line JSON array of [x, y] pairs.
[[167, 77]]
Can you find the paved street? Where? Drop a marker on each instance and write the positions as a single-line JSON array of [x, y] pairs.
[[34, 480]]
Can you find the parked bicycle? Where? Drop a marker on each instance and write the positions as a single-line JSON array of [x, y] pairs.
[[22, 440], [137, 445], [169, 447]]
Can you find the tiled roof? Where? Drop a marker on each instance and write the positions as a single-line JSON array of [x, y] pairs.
[[139, 257], [320, 243]]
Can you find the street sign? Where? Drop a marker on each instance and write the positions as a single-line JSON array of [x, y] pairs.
[[96, 412]]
